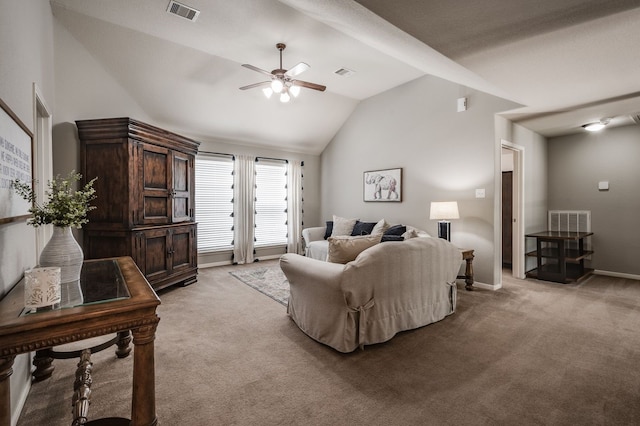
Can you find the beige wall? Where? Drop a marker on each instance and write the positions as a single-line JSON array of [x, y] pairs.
[[445, 155], [576, 164], [26, 57]]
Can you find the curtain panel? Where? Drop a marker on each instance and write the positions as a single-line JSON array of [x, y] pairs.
[[244, 183], [294, 207]]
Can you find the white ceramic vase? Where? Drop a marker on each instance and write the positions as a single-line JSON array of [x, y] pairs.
[[62, 250]]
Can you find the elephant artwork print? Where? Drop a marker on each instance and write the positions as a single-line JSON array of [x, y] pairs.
[[383, 185]]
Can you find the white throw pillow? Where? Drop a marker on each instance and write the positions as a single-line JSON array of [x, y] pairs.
[[411, 233], [342, 226], [380, 227], [343, 249]]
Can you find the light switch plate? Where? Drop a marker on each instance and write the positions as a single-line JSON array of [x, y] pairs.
[[603, 185], [462, 104], [480, 193]]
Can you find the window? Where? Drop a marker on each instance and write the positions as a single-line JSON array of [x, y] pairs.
[[271, 203], [214, 202]]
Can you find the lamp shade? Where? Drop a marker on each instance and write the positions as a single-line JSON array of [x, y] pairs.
[[444, 210]]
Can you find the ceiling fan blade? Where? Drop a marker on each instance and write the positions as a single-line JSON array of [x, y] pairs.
[[309, 85], [261, 84], [251, 67], [298, 69]]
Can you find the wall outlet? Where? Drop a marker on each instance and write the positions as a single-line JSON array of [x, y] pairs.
[[480, 193]]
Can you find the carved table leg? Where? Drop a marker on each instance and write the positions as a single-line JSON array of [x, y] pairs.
[[143, 399], [43, 361], [124, 338], [82, 389], [468, 273], [6, 370]]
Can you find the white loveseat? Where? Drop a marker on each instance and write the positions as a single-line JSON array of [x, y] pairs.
[[388, 288], [316, 246]]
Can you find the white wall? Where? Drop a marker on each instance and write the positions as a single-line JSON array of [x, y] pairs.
[[26, 56], [445, 156], [576, 164]]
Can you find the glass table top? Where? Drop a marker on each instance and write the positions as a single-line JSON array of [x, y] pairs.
[[100, 281]]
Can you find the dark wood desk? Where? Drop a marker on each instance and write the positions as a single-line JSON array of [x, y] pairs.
[[21, 333], [560, 256]]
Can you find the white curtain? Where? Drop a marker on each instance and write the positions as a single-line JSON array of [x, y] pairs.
[[294, 207], [244, 183]]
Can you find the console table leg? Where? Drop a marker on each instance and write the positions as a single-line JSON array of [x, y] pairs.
[[6, 370], [43, 361], [143, 399], [82, 389]]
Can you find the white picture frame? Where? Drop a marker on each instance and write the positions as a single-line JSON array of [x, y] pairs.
[[16, 162]]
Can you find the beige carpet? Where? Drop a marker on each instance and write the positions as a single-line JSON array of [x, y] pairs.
[[530, 353]]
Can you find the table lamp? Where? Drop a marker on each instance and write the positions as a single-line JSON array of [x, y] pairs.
[[443, 211]]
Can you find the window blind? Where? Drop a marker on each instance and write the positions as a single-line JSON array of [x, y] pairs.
[[214, 202], [271, 203]]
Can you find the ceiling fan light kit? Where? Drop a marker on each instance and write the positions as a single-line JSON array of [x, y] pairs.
[[282, 80], [597, 125]]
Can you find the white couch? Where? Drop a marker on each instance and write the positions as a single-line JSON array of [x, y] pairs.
[[388, 288], [316, 247]]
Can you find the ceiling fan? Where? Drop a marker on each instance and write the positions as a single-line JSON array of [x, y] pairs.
[[282, 81]]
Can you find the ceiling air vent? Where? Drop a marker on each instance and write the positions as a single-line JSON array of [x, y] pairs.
[[344, 72], [183, 11]]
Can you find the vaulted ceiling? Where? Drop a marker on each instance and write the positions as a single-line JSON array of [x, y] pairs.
[[567, 62]]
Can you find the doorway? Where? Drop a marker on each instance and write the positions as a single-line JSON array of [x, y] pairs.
[[42, 162], [512, 208]]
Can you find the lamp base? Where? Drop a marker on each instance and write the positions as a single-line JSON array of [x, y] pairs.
[[444, 230]]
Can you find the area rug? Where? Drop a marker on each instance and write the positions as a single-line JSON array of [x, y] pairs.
[[268, 281]]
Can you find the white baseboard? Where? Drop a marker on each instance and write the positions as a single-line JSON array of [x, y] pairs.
[[214, 264], [617, 274], [485, 286]]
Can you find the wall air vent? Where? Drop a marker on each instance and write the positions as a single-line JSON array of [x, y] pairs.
[[183, 11], [636, 118], [344, 72]]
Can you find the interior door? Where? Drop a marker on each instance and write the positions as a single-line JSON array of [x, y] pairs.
[[507, 219]]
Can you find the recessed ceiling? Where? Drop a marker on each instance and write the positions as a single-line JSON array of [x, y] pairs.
[[186, 75]]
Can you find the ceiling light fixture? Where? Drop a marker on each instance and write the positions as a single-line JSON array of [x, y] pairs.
[[597, 125], [282, 81]]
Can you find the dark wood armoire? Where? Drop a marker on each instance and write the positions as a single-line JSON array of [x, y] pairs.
[[145, 205]]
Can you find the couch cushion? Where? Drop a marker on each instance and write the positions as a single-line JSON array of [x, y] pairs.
[[380, 227], [396, 230], [344, 249], [411, 233], [362, 228], [342, 226]]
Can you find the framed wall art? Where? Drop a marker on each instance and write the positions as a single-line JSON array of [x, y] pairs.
[[16, 154], [383, 185]]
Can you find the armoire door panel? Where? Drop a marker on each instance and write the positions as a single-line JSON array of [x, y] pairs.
[[182, 191], [156, 248]]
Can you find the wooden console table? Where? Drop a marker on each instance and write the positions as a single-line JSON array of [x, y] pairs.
[[134, 310], [467, 256], [560, 256]]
